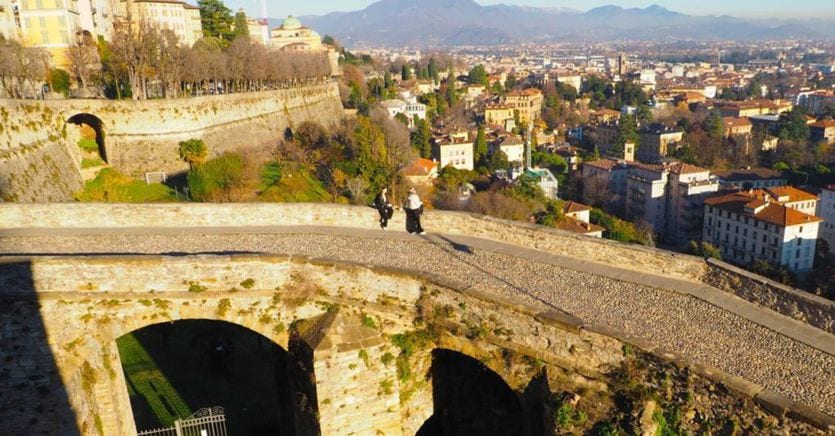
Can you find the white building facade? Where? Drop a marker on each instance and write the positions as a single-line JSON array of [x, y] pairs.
[[748, 226], [826, 211]]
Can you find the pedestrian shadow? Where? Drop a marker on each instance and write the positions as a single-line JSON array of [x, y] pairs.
[[460, 253]]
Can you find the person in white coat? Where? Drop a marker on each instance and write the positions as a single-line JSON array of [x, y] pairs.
[[414, 209]]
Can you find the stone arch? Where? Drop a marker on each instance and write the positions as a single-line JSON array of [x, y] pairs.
[[97, 125], [464, 388], [234, 358]]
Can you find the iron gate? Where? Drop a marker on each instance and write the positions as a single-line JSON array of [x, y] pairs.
[[204, 422]]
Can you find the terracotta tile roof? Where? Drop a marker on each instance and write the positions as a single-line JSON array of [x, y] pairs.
[[792, 193], [604, 164], [420, 167], [752, 204], [574, 207], [530, 92], [827, 124], [573, 225], [731, 122], [748, 174]]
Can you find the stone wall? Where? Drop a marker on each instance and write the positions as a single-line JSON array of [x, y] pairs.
[[35, 163], [66, 313], [143, 136], [265, 214], [804, 306]]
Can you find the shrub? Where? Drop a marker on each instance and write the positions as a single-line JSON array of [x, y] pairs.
[[215, 179], [193, 151], [59, 80]]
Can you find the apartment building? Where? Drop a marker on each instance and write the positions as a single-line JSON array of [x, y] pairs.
[[670, 198], [497, 114], [826, 211], [456, 152], [823, 131], [748, 226], [9, 13], [526, 103], [51, 24], [750, 178], [657, 140], [181, 18], [511, 145]]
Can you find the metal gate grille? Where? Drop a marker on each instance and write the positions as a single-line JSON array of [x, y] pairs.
[[204, 422]]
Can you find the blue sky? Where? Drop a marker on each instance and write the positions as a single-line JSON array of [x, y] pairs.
[[740, 8]]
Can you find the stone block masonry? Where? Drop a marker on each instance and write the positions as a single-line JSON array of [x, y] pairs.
[[39, 162]]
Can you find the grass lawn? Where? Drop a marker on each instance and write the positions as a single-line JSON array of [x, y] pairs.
[[298, 186], [114, 187], [171, 371]]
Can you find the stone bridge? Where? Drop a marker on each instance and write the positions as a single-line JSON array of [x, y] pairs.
[[321, 282], [39, 159]]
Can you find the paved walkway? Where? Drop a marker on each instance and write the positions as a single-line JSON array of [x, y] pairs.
[[702, 323]]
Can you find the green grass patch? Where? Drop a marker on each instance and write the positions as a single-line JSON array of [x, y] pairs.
[[91, 163], [111, 186], [294, 185], [88, 145], [146, 379]]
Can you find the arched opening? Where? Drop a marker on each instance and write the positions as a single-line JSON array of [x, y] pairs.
[[469, 398], [90, 136], [174, 369]]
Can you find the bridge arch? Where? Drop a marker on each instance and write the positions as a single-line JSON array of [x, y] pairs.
[[471, 398], [95, 124], [172, 369]]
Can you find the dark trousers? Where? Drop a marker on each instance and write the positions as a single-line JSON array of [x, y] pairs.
[[413, 221], [385, 215]]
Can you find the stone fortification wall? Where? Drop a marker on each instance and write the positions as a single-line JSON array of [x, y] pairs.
[[35, 163], [75, 308], [794, 303], [265, 214], [39, 160]]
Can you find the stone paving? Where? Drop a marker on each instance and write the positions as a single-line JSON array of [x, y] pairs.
[[728, 334]]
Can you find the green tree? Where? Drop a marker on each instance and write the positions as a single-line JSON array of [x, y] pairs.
[[684, 153], [433, 69], [421, 138], [481, 147], [644, 114], [193, 151], [216, 19], [793, 126], [451, 95], [715, 126], [510, 82], [478, 76], [59, 80], [241, 28], [627, 132], [406, 72]]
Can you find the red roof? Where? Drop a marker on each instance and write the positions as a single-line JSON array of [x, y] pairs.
[[747, 203], [420, 167]]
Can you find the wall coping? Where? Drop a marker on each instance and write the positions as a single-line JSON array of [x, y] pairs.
[[799, 293]]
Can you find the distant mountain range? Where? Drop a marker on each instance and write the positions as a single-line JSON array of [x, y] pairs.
[[428, 23]]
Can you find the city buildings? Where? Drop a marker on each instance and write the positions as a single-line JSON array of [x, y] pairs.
[[657, 140], [497, 114], [292, 36], [179, 17], [823, 131], [511, 145], [826, 211], [749, 225], [670, 198], [527, 104], [750, 178], [577, 219], [455, 151], [410, 108]]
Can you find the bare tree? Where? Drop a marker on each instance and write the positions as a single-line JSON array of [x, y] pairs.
[[83, 60]]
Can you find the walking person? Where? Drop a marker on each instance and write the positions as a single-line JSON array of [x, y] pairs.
[[381, 203], [414, 209]]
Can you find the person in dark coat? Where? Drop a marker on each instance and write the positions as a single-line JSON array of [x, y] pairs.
[[381, 203], [413, 208]]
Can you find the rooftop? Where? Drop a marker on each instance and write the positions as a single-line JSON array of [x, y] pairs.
[[748, 174], [759, 207]]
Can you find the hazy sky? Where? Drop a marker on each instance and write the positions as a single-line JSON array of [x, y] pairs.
[[740, 8]]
